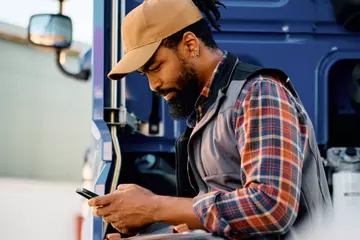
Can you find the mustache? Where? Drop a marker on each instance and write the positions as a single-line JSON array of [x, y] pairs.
[[163, 92]]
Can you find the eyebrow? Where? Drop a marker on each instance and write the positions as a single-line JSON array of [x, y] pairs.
[[148, 64]]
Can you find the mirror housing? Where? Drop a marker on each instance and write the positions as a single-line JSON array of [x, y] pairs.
[[50, 30], [55, 31]]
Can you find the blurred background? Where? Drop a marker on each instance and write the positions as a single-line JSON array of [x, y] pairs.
[[52, 141], [45, 124]]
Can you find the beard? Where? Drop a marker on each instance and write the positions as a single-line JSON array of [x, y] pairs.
[[183, 104]]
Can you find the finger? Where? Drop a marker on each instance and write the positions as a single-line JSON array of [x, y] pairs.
[[101, 201], [111, 218], [113, 236], [122, 229], [101, 211]]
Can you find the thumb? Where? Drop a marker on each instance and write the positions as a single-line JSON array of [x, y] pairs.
[[126, 186], [101, 200]]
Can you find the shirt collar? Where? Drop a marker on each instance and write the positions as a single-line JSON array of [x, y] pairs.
[[200, 110]]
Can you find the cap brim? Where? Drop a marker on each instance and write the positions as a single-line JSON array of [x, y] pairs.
[[133, 60]]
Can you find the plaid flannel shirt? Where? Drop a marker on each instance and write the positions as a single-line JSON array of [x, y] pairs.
[[271, 132]]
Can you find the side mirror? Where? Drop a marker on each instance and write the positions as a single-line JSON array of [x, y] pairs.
[[55, 31], [50, 30]]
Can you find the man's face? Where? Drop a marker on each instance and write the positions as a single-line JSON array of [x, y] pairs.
[[174, 78]]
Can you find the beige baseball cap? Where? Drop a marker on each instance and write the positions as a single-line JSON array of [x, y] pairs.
[[144, 28]]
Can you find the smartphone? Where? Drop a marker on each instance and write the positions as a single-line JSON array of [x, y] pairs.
[[86, 193]]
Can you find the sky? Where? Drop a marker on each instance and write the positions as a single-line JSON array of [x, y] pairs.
[[18, 12]]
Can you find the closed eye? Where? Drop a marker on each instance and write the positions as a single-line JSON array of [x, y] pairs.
[[156, 69]]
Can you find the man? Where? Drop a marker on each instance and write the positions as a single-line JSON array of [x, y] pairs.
[[252, 151]]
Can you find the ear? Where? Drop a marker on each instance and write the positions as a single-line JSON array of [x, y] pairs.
[[190, 45]]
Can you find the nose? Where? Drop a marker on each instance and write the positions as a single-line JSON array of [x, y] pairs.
[[154, 83]]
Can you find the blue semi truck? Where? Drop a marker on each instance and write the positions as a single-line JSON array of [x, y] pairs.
[[316, 42]]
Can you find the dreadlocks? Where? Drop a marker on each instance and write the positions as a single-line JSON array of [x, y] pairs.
[[208, 6], [200, 28]]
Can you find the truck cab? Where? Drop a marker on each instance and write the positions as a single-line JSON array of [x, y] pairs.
[[315, 42]]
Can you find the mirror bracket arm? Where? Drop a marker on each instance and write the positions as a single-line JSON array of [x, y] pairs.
[[82, 75], [61, 7]]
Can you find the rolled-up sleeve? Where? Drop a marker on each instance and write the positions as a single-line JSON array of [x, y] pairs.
[[271, 136]]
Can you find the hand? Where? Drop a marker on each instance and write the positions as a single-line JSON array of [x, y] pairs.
[[127, 209]]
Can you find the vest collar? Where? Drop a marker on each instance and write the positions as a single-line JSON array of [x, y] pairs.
[[217, 90], [223, 79]]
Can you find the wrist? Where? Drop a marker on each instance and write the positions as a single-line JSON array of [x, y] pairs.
[[175, 211], [159, 208]]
